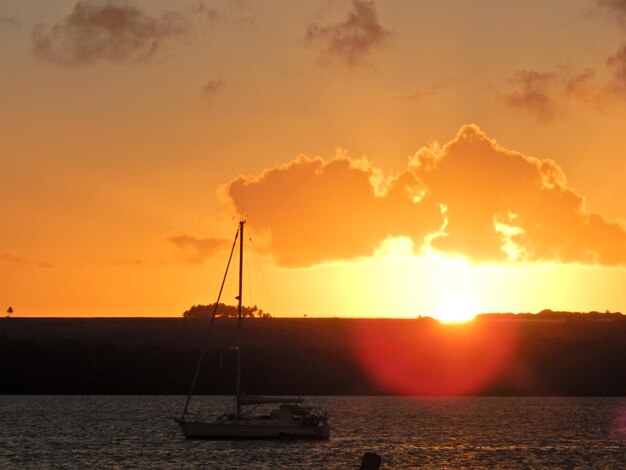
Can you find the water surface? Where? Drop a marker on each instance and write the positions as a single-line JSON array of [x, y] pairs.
[[134, 432]]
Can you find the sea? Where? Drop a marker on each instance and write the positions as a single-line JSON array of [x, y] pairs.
[[138, 432]]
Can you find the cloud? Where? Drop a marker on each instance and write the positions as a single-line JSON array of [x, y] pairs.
[[209, 15], [534, 93], [618, 63], [212, 88], [198, 250], [503, 205], [317, 211], [8, 257], [109, 30], [237, 12], [617, 9], [582, 87], [7, 21], [352, 41], [432, 89], [469, 197], [546, 95], [129, 262]]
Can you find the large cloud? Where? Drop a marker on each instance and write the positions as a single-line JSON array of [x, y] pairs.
[[107, 30], [352, 41], [318, 211], [501, 205], [470, 197]]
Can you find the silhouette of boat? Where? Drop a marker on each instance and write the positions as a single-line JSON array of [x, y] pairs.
[[290, 420]]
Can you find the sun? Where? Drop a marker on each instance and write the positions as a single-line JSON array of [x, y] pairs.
[[456, 307]]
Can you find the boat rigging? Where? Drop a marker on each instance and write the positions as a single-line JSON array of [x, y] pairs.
[[291, 420]]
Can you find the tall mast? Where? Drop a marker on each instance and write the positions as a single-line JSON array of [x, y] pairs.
[[239, 298], [208, 334]]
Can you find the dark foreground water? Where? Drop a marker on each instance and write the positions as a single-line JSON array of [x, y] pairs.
[[133, 432]]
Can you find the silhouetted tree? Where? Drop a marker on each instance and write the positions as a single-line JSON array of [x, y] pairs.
[[224, 311]]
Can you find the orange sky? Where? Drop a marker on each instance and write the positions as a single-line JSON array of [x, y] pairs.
[[387, 155]]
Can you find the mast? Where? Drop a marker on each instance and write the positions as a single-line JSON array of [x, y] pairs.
[[210, 329], [239, 298]]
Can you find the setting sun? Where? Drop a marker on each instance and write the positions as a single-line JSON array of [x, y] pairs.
[[456, 307]]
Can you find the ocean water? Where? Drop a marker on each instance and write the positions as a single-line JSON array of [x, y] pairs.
[[135, 432]]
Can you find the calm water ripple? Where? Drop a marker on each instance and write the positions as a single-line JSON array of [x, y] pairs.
[[134, 432]]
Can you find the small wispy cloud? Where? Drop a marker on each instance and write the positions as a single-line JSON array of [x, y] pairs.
[[352, 41], [547, 95], [430, 90], [534, 92], [198, 250], [210, 15], [618, 63], [108, 30], [212, 88], [9, 257], [129, 262], [237, 12], [9, 22]]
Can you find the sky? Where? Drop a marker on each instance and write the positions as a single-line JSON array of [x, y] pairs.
[[391, 158]]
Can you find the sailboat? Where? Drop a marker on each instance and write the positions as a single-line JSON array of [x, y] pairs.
[[290, 419]]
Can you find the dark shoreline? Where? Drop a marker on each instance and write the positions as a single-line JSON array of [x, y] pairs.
[[571, 355]]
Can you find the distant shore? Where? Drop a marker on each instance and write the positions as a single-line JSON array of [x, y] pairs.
[[565, 354]]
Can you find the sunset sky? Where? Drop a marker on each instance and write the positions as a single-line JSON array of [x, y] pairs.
[[388, 156]]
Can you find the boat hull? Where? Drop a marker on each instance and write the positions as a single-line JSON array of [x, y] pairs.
[[251, 430]]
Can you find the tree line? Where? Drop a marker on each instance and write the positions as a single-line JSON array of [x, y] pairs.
[[224, 311]]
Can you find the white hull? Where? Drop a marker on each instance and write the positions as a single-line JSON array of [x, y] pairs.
[[252, 429]]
